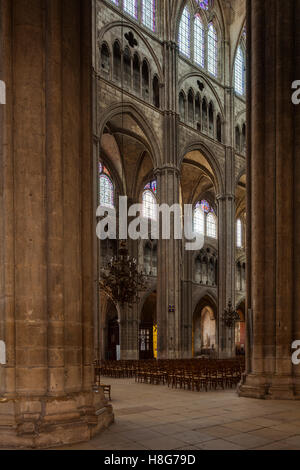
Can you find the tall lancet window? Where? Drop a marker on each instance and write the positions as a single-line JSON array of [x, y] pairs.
[[199, 220], [211, 225], [148, 14], [106, 187], [199, 42], [239, 234], [149, 201], [184, 38], [205, 220], [212, 53], [239, 72], [131, 7]]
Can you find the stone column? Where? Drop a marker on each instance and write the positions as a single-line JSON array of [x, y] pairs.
[[169, 254], [273, 199], [102, 326], [226, 272], [47, 235], [226, 220], [187, 307], [169, 274]]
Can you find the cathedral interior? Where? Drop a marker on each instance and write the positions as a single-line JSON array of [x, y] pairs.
[[164, 102]]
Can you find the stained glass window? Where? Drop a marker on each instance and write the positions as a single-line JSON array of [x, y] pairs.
[[148, 13], [185, 33], [149, 205], [239, 72], [152, 186], [211, 226], [205, 220], [105, 171], [205, 206], [199, 220], [106, 187], [212, 55], [239, 234], [199, 42], [204, 4], [130, 7], [106, 192]]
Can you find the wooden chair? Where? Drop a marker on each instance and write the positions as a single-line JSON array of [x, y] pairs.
[[107, 391]]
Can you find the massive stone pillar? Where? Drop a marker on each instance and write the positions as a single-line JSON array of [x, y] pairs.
[[273, 244], [46, 238]]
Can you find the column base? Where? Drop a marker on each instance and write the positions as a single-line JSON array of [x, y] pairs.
[[269, 387], [43, 422]]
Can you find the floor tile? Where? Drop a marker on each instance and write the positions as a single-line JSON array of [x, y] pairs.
[[220, 444], [165, 443], [248, 441]]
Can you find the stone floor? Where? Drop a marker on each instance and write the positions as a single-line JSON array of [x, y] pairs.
[[158, 418]]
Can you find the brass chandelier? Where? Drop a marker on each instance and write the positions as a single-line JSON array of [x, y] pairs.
[[230, 316], [121, 280]]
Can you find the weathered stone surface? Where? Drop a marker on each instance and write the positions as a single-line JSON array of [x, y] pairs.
[[45, 422], [46, 319], [273, 220]]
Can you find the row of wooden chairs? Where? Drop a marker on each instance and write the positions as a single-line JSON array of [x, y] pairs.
[[205, 378], [196, 374]]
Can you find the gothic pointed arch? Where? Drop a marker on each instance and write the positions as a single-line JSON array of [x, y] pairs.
[[211, 159], [150, 141]]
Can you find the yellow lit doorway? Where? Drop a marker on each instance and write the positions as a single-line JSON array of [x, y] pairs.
[[148, 329]]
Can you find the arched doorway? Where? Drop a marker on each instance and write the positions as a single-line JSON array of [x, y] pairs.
[[148, 329], [204, 330]]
